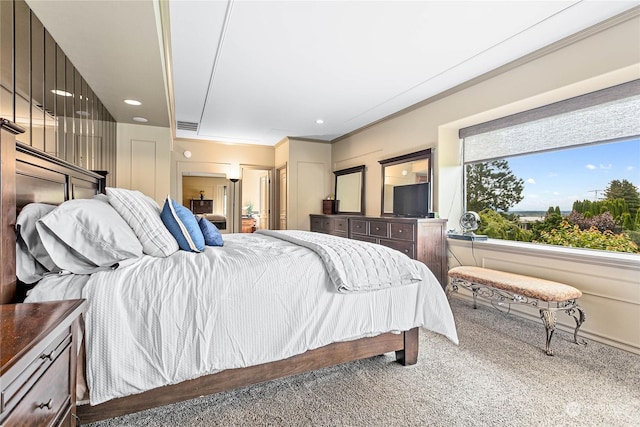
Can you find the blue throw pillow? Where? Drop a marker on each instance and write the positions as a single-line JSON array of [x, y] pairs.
[[182, 224], [212, 236]]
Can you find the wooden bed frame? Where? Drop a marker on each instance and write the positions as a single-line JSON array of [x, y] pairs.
[[29, 175]]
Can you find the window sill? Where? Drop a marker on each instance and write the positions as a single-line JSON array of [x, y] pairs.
[[591, 256]]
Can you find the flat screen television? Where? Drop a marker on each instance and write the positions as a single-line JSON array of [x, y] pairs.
[[411, 200]]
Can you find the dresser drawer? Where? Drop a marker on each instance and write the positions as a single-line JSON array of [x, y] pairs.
[[341, 224], [359, 226], [402, 231], [364, 238], [316, 224], [378, 228], [407, 248], [49, 398]]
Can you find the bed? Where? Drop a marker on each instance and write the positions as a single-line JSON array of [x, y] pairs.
[[329, 327]]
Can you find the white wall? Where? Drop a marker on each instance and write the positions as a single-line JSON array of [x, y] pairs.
[[612, 56]]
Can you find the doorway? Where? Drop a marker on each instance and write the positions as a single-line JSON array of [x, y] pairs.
[[281, 198], [256, 198], [207, 195]]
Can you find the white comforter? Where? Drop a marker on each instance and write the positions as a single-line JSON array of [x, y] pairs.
[[255, 300]]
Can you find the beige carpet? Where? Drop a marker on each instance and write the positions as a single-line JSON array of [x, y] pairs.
[[497, 376]]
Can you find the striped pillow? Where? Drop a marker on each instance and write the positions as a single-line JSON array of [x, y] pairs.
[[183, 225], [142, 214]]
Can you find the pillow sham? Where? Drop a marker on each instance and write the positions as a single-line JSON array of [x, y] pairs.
[[212, 236], [32, 259], [87, 235], [182, 224], [142, 213]]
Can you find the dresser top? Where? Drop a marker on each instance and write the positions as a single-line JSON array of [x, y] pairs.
[[23, 326]]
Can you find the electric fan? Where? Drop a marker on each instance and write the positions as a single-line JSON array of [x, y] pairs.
[[469, 221]]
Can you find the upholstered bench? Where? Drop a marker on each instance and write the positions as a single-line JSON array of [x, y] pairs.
[[507, 288]]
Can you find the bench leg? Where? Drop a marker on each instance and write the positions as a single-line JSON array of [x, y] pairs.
[[579, 317], [549, 319]]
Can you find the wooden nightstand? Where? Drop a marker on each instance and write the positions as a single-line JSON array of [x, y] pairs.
[[38, 363]]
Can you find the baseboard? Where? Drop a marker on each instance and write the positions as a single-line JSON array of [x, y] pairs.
[[569, 329]]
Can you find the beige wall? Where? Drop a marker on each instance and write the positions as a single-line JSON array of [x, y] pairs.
[[144, 159], [309, 180], [604, 59]]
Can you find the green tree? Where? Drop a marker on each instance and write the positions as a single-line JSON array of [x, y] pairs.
[[497, 226], [570, 235], [492, 185], [624, 190], [552, 220]]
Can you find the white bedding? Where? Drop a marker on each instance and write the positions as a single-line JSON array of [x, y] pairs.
[[255, 300]]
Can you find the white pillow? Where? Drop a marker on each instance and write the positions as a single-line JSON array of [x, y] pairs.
[[142, 214], [87, 235], [32, 259]]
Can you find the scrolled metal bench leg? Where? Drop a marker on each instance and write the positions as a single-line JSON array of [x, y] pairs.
[[475, 296], [579, 317], [549, 319]]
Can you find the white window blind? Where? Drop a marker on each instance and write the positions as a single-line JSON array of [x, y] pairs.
[[606, 115]]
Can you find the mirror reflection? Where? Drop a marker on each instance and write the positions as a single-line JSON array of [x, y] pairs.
[[414, 168], [350, 190], [207, 196]]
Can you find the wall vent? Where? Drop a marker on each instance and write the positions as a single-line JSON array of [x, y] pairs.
[[190, 126]]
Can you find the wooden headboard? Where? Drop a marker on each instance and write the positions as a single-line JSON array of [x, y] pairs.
[[38, 177]]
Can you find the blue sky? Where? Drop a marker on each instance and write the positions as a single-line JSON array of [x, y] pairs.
[[559, 178]]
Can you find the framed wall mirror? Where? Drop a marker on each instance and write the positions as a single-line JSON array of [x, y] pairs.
[[350, 190], [415, 170]]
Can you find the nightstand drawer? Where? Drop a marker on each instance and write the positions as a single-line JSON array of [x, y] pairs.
[[13, 392], [48, 399]]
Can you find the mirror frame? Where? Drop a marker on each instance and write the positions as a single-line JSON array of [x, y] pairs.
[[354, 170], [405, 158]]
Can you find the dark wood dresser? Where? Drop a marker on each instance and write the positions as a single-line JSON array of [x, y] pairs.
[[38, 356], [201, 206], [337, 225], [421, 239]]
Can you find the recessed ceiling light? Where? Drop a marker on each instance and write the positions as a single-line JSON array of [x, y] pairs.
[[61, 92], [140, 119], [132, 102], [319, 121]]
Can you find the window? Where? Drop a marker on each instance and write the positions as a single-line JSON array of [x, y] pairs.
[[564, 174]]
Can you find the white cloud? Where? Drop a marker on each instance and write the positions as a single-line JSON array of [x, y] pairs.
[[591, 167], [605, 166], [629, 168], [531, 181], [555, 193]]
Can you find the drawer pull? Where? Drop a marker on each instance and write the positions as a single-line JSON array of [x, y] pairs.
[[48, 355], [46, 405], [400, 231], [377, 228]]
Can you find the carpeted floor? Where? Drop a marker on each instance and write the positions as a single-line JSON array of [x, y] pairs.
[[497, 376]]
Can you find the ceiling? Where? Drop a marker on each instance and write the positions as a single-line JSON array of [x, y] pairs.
[[258, 71]]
